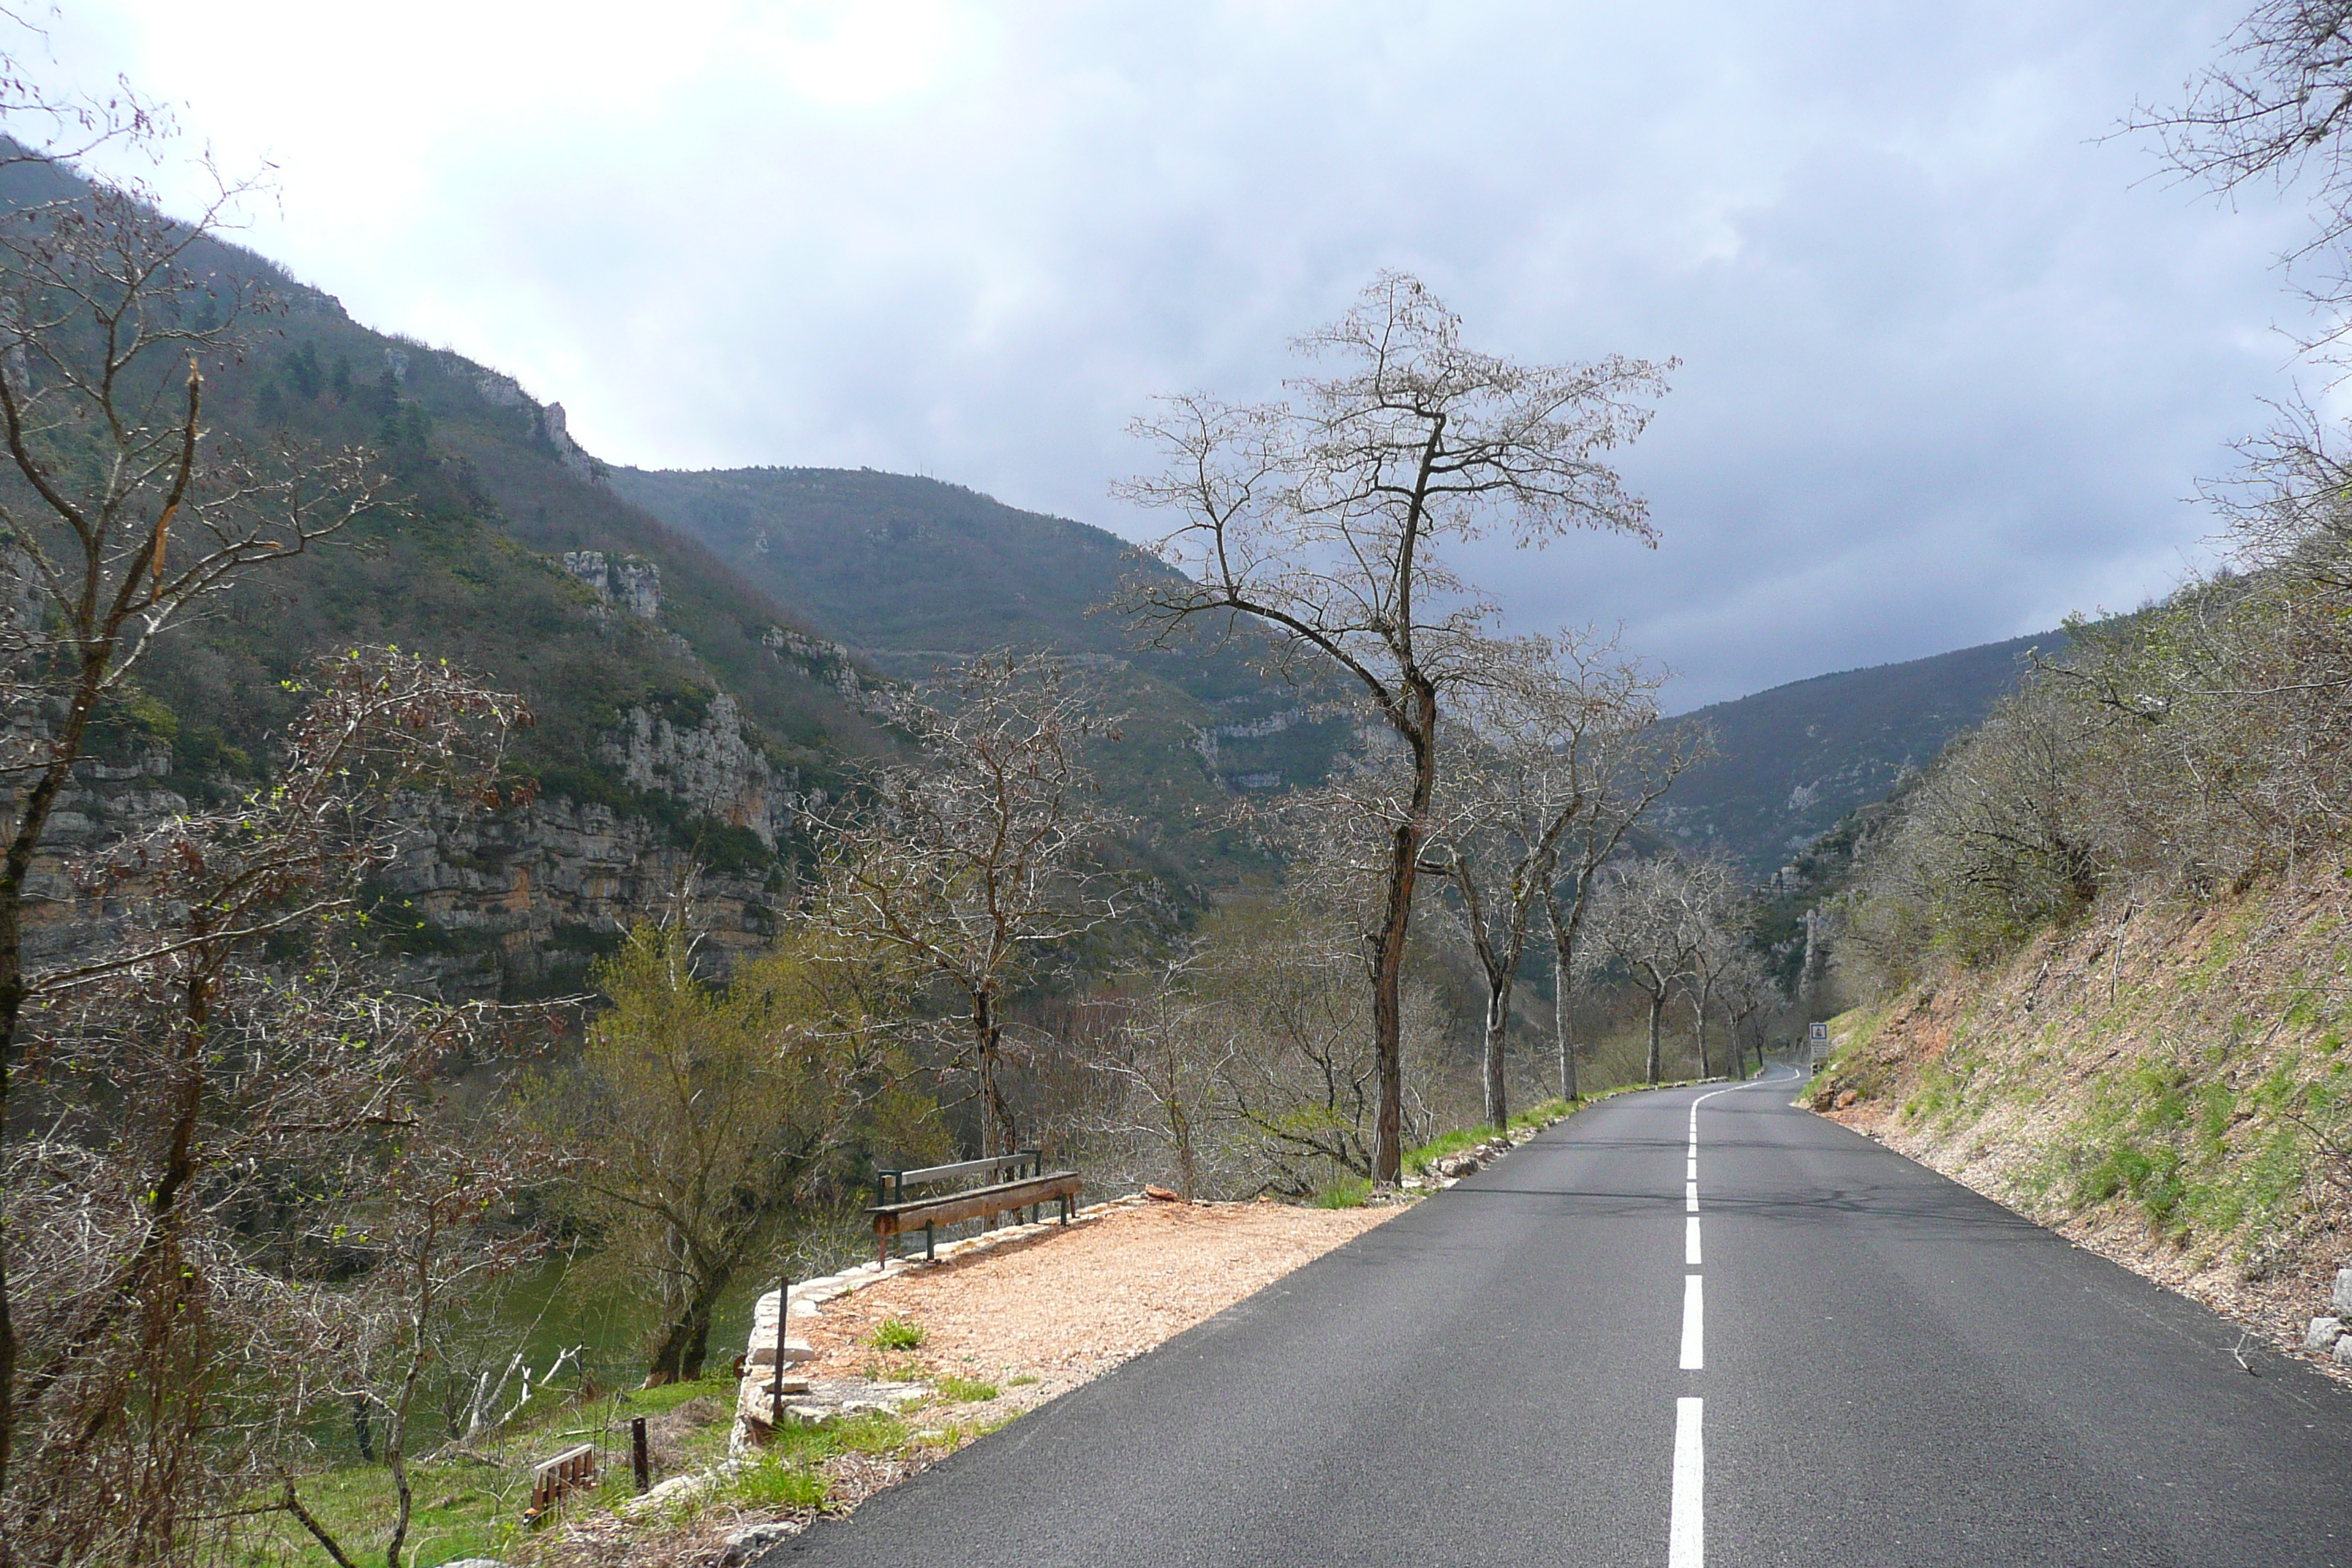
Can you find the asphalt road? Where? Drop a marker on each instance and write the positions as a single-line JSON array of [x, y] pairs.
[[1877, 1367]]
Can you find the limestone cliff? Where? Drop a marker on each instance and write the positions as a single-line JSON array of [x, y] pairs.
[[517, 902]]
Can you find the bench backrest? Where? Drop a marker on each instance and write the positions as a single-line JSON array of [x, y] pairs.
[[891, 1185], [551, 1479]]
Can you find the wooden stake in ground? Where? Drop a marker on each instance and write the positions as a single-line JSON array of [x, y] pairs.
[[776, 1372]]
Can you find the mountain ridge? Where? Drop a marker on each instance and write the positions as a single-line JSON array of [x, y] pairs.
[[1792, 759]]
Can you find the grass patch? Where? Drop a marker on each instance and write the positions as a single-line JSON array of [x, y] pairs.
[[1536, 1117], [1348, 1193], [966, 1390], [1419, 1161], [871, 1432], [779, 1481], [897, 1334]]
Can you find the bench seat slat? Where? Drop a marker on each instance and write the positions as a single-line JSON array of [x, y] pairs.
[[894, 1219]]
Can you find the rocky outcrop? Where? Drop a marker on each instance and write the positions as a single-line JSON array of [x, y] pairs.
[[524, 900], [547, 421], [832, 664], [630, 582], [713, 769], [556, 430], [106, 801]]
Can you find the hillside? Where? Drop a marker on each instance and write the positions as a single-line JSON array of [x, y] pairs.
[[1792, 761], [910, 573], [2150, 1081], [910, 564], [679, 712]]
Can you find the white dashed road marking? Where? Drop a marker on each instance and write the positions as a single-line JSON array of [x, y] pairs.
[[1687, 1528]]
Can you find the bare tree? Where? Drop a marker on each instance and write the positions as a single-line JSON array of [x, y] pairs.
[[1321, 526], [430, 1213], [1280, 1002], [1622, 771], [1715, 958], [190, 1099], [1167, 1058], [120, 512], [1651, 918], [970, 866], [1517, 777], [1749, 993], [2276, 105]]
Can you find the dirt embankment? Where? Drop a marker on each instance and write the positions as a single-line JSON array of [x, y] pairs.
[[2158, 1084]]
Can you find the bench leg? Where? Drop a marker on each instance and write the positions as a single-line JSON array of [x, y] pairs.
[[881, 1250], [928, 1257]]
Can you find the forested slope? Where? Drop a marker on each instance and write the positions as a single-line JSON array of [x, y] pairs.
[[679, 712]]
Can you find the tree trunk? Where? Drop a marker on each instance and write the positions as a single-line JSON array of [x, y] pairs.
[[1657, 1007], [1559, 1029], [1699, 1027], [1498, 1018], [686, 1341], [1179, 1127], [998, 1133], [1563, 968], [1419, 730], [1387, 1055]]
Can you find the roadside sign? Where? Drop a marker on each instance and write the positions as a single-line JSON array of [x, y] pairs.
[[1818, 1037]]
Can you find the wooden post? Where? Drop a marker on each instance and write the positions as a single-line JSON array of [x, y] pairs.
[[640, 1461], [776, 1372]]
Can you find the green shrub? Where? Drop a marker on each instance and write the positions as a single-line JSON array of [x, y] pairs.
[[1420, 1159]]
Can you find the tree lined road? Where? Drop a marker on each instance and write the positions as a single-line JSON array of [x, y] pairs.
[[1878, 1366]]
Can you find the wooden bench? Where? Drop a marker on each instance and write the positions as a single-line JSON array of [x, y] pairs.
[[552, 1478], [1029, 1186]]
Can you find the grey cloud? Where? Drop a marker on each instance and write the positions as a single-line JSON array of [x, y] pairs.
[[1950, 362]]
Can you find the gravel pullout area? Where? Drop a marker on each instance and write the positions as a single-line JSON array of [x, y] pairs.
[[1066, 1308]]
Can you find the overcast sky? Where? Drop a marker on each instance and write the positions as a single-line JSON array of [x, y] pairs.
[[1950, 362]]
